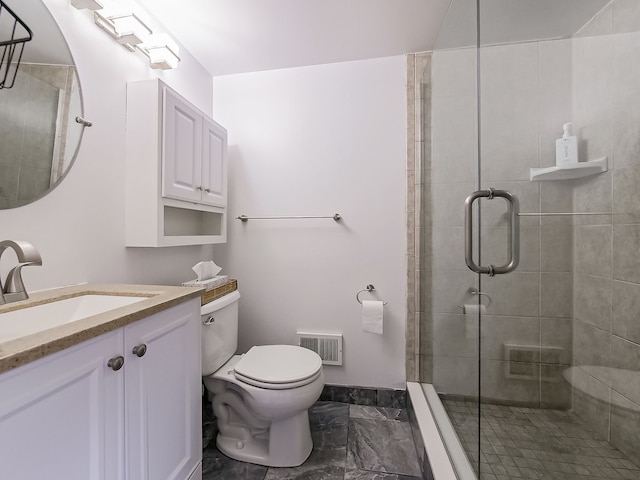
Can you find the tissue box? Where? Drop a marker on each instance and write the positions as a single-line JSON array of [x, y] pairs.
[[208, 284]]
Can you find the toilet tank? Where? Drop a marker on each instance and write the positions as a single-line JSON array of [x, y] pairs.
[[219, 331]]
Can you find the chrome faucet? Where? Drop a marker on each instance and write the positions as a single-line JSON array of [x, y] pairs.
[[13, 288]]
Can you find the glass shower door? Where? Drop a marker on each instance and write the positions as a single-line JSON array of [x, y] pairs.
[[538, 368], [554, 342], [523, 75]]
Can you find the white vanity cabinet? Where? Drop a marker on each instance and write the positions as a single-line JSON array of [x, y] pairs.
[[70, 415], [176, 179]]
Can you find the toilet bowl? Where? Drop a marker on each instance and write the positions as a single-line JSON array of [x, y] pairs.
[[260, 399]]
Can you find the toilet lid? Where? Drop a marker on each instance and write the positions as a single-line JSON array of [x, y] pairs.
[[278, 365]]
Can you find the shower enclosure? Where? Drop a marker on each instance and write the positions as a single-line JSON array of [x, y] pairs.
[[536, 359]]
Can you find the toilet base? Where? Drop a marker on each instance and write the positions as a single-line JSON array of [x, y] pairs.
[[287, 444]]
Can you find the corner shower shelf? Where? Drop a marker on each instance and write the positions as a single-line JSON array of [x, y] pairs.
[[570, 172]]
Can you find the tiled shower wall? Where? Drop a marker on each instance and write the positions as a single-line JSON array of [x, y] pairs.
[[606, 325]]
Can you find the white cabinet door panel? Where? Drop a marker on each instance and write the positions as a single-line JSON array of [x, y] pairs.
[[182, 158], [63, 416], [164, 394], [214, 163]]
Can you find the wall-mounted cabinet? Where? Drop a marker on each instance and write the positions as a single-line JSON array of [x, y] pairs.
[[176, 180]]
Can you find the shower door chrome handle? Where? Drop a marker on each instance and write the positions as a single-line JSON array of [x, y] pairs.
[[513, 249]]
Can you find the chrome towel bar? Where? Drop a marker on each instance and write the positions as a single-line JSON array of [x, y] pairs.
[[561, 214], [244, 218]]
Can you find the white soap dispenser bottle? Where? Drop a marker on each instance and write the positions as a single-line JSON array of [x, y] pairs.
[[566, 147]]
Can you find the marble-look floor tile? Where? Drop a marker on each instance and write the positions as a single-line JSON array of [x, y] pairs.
[[323, 464], [217, 466], [209, 426], [366, 475], [375, 443], [392, 398], [381, 446], [329, 423], [355, 395], [378, 413]]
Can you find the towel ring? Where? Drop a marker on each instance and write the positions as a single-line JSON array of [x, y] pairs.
[[369, 288]]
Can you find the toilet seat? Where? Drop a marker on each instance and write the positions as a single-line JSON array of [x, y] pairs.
[[278, 367]]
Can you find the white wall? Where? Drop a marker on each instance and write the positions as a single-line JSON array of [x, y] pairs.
[[79, 227], [315, 141]]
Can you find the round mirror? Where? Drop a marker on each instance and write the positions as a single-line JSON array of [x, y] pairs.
[[39, 134]]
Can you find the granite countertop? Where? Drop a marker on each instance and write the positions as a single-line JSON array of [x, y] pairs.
[[22, 350]]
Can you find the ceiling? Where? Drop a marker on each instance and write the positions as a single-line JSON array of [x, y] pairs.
[[237, 36], [513, 21]]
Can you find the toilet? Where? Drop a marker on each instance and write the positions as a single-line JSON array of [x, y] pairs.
[[260, 399]]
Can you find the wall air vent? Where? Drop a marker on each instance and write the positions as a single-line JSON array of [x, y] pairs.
[[327, 345]]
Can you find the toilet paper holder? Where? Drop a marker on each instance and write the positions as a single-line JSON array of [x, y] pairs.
[[475, 291], [369, 288]]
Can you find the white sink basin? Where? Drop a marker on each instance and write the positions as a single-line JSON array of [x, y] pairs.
[[29, 320]]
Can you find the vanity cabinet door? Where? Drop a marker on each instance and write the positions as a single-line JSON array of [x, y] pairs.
[[163, 394], [63, 416], [182, 153]]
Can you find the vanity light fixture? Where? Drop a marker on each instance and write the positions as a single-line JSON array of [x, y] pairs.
[[162, 51], [87, 4], [127, 28], [127, 24]]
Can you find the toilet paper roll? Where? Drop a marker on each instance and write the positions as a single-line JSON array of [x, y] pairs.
[[372, 316]]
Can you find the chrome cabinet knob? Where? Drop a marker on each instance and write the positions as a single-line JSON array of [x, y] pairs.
[[206, 190], [199, 188], [139, 350], [116, 363]]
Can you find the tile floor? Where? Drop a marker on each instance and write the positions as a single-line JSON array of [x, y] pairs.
[[351, 442], [533, 443]]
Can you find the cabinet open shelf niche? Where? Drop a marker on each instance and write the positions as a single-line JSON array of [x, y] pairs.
[[569, 172], [179, 222]]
